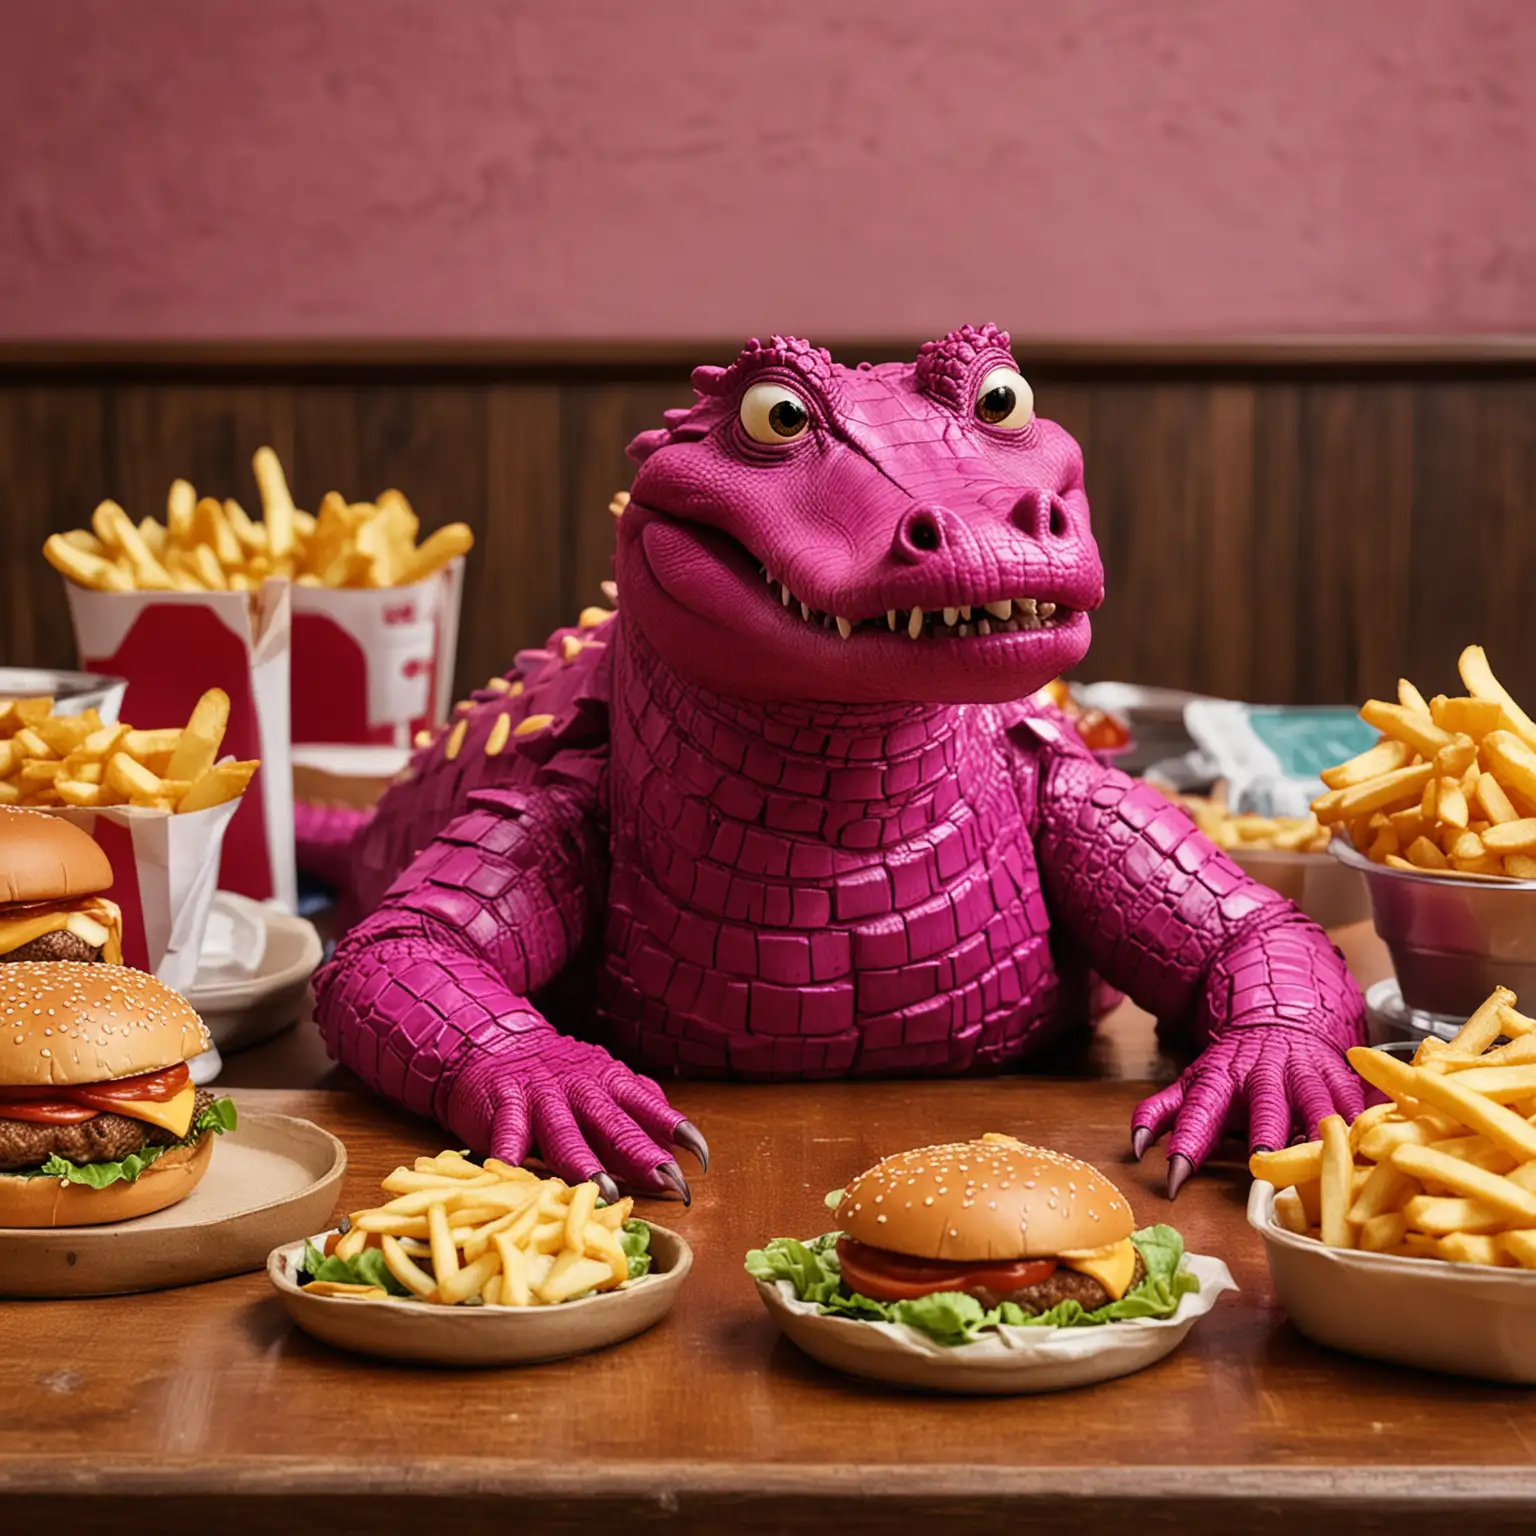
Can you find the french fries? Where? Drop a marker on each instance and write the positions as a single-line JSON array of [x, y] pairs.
[[454, 1233], [1293, 834], [1447, 1170], [1450, 789], [206, 545], [50, 760]]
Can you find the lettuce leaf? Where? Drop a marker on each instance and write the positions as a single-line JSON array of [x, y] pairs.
[[952, 1317], [220, 1116], [635, 1240], [368, 1268]]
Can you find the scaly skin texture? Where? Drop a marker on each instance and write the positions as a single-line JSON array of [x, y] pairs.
[[754, 826]]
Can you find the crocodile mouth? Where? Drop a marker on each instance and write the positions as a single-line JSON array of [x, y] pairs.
[[998, 616]]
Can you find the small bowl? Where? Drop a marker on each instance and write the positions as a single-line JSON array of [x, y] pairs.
[[72, 692], [1453, 938], [1331, 895], [423, 1332], [1461, 1319], [248, 1011]]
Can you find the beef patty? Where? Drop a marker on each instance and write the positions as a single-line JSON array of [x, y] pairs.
[[62, 945], [105, 1139], [1063, 1285]]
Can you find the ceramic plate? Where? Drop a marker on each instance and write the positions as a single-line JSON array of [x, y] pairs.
[[245, 1012], [1007, 1360], [269, 1180], [1462, 1319], [424, 1332]]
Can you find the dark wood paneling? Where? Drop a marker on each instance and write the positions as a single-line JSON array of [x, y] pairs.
[[1280, 527]]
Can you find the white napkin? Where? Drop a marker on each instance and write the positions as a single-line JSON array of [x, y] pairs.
[[234, 942]]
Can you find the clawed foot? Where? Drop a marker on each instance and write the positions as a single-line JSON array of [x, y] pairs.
[[587, 1116], [1287, 1079]]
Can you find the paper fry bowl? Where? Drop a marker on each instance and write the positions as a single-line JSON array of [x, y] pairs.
[[165, 870], [373, 666], [173, 646]]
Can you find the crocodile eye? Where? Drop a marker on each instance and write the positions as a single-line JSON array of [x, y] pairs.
[[773, 414], [1005, 399]]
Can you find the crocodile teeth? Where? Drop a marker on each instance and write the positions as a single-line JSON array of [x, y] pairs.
[[965, 610], [982, 627], [951, 614], [844, 627], [805, 610], [1025, 604], [1002, 609], [784, 594], [915, 623], [610, 590], [1045, 610], [890, 618]]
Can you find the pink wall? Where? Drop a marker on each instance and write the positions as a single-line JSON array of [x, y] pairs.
[[570, 168]]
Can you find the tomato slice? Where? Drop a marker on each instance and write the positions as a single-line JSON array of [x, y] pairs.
[[158, 1087], [52, 1105], [46, 1111], [885, 1276]]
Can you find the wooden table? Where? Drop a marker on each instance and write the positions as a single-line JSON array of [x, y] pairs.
[[202, 1409]]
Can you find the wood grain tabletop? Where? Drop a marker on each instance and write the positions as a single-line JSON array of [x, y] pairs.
[[203, 1408]]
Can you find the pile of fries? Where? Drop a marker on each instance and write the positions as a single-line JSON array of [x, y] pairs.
[[1446, 1170], [57, 760], [497, 1236], [206, 545], [1451, 786], [1294, 834]]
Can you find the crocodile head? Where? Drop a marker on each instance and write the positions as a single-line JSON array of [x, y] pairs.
[[901, 532]]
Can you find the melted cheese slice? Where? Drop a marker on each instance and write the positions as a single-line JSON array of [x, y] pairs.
[[95, 920], [1113, 1266], [174, 1115]]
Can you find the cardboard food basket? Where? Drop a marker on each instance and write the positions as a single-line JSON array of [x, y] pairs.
[[372, 666], [171, 647]]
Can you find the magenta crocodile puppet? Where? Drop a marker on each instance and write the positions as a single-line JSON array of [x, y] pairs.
[[787, 813]]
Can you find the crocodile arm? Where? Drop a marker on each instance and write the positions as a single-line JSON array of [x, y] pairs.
[[1165, 916], [427, 999]]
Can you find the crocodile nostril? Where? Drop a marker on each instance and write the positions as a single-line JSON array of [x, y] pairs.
[[1058, 518], [920, 533]]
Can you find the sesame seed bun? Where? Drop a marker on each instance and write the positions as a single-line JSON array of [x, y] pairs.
[[978, 1200], [45, 1202], [46, 858], [68, 1022]]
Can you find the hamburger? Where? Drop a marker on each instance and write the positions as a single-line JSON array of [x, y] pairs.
[[994, 1219], [99, 1118], [956, 1239], [51, 878]]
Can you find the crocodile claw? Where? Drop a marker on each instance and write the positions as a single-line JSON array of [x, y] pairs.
[[1141, 1139], [687, 1136], [605, 1187], [671, 1175], [1179, 1169]]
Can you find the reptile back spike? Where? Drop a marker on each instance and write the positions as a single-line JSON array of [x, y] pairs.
[[794, 811]]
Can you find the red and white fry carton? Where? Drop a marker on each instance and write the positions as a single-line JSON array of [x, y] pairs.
[[372, 666], [172, 647], [165, 869]]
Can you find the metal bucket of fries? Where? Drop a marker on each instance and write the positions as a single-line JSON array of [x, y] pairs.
[[1452, 940], [1440, 818], [73, 693]]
